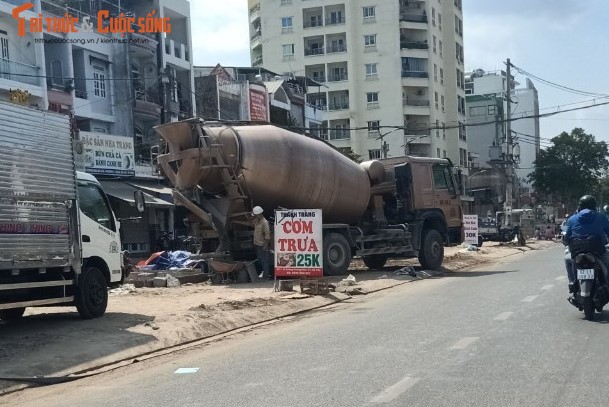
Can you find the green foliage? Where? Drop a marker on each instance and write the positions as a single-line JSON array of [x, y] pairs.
[[571, 167]]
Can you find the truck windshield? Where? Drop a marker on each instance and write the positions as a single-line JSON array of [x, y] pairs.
[[94, 205]]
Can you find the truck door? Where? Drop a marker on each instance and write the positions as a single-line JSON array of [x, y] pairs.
[[99, 228], [446, 195]]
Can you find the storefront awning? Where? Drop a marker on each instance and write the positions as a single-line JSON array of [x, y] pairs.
[[125, 192], [153, 188]]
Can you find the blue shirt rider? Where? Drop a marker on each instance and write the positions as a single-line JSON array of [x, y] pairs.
[[585, 223]]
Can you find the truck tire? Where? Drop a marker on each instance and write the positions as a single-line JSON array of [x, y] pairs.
[[92, 293], [431, 253], [13, 314], [337, 254], [375, 261]]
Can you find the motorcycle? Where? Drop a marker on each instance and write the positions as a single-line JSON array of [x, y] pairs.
[[590, 291]]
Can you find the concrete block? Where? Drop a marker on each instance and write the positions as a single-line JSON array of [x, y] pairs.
[[159, 282]]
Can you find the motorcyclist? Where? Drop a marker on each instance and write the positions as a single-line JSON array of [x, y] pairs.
[[587, 222]]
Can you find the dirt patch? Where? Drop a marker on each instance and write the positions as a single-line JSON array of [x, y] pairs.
[[55, 341]]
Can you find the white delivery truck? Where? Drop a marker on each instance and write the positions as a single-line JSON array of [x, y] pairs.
[[59, 239]]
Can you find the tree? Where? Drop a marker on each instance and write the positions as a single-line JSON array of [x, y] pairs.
[[571, 167], [350, 154]]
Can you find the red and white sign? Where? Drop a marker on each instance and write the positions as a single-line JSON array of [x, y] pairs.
[[258, 105], [298, 243]]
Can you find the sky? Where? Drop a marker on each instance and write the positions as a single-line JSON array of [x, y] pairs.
[[561, 41]]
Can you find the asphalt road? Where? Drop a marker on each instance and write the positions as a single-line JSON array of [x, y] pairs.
[[505, 336]]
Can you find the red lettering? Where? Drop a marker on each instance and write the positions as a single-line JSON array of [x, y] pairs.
[[302, 245], [282, 243], [292, 245], [285, 227], [313, 246]]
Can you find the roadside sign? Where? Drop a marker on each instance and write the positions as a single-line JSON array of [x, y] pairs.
[[470, 228], [298, 243]]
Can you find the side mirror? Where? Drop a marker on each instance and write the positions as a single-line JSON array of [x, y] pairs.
[[140, 202]]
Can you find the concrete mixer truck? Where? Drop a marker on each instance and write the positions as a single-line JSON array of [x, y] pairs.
[[396, 207]]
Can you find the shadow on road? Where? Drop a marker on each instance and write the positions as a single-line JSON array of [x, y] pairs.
[[44, 344]]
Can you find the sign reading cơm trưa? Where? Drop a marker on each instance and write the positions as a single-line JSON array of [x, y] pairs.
[[298, 243]]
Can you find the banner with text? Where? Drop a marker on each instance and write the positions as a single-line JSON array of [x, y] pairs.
[[108, 154], [298, 243], [470, 228]]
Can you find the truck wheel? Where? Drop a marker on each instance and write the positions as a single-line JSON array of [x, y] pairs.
[[431, 253], [92, 293], [337, 254], [375, 261], [12, 314]]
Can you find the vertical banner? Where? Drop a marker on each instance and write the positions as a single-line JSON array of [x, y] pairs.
[[298, 243], [258, 105], [470, 228]]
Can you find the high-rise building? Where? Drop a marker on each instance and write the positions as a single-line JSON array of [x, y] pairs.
[[393, 63]]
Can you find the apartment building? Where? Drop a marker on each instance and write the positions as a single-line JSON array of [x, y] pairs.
[[485, 94], [117, 86], [393, 63]]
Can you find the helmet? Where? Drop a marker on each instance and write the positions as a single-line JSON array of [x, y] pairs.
[[257, 210], [587, 202]]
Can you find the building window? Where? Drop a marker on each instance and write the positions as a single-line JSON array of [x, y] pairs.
[[4, 48], [433, 16], [439, 21], [370, 43], [286, 2], [434, 40], [372, 98], [444, 130], [286, 24], [461, 105], [438, 152], [440, 48], [436, 99], [442, 102], [438, 128], [369, 13], [477, 111], [492, 110], [371, 72], [288, 52], [99, 81], [374, 154], [444, 153], [458, 78], [441, 76], [435, 73], [374, 126], [56, 73]]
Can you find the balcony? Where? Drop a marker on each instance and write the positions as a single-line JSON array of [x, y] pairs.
[[410, 101], [335, 20], [314, 51], [257, 61], [314, 22], [19, 72], [340, 105], [415, 74], [338, 77], [147, 105], [408, 44], [145, 43], [332, 49], [413, 18]]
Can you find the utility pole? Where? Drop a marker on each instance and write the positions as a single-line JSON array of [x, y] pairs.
[[509, 163]]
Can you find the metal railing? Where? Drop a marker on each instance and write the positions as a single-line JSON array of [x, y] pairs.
[[313, 23], [336, 48], [414, 44], [413, 18], [334, 21], [19, 72], [149, 95], [337, 78], [415, 74], [314, 51], [339, 106], [255, 35], [408, 101]]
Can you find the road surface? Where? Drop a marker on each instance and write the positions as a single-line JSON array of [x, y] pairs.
[[503, 336]]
